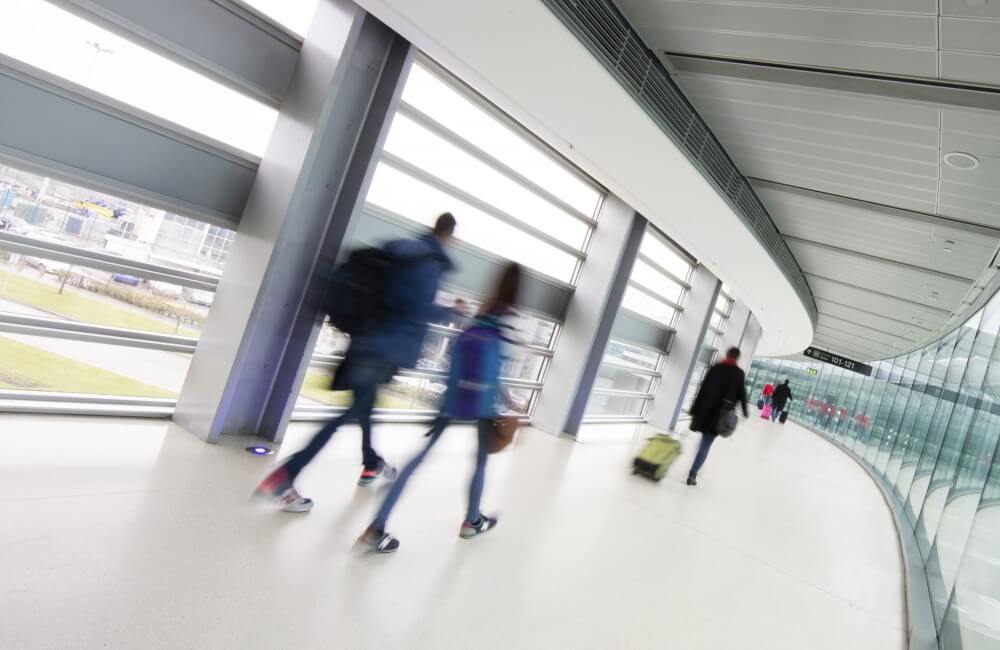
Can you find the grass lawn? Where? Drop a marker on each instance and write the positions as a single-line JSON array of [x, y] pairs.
[[27, 367], [80, 307], [316, 386]]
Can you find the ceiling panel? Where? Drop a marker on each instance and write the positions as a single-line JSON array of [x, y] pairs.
[[892, 235], [908, 331], [898, 30], [874, 41], [974, 68], [899, 6], [814, 53], [924, 166], [840, 165], [852, 139], [823, 179], [847, 326], [965, 8], [721, 112], [889, 306], [850, 347], [910, 283], [811, 100], [970, 35]]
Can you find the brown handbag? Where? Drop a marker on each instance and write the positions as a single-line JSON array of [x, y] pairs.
[[502, 432]]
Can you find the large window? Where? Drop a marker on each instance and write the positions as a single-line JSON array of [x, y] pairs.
[[96, 295], [626, 381], [717, 326], [630, 370], [928, 423], [63, 44], [449, 151]]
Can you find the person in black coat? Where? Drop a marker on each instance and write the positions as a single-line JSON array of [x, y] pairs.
[[782, 394], [722, 388]]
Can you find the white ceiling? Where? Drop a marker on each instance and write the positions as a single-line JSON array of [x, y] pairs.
[[853, 177]]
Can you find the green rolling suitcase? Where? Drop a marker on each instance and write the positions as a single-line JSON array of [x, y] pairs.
[[656, 456]]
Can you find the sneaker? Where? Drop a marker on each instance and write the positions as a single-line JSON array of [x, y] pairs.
[[378, 541], [692, 480], [292, 501], [470, 530], [385, 470], [276, 489]]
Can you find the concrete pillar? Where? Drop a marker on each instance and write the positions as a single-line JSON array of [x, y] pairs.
[[748, 344], [734, 327], [589, 319], [255, 346], [687, 346]]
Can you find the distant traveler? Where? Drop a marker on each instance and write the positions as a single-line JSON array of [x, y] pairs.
[[767, 392], [722, 388], [781, 397], [474, 393], [394, 341]]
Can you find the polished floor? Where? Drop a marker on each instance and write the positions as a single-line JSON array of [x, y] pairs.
[[133, 534]]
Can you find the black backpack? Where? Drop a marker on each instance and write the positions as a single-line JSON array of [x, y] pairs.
[[356, 300]]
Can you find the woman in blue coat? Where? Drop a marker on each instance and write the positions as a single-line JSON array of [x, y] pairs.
[[473, 393]]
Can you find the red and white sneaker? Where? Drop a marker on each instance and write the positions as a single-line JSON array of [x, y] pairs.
[[277, 490], [385, 470]]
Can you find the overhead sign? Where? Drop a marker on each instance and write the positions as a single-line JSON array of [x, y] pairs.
[[836, 360]]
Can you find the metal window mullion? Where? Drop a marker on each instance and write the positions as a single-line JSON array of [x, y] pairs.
[[419, 174], [651, 292], [85, 398], [638, 371], [613, 419], [622, 393], [91, 259], [458, 141], [659, 267], [71, 330]]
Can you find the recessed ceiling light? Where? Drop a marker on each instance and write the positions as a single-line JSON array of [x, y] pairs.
[[947, 250], [961, 160]]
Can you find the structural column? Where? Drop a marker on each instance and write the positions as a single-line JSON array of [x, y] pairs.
[[589, 319], [748, 344], [688, 344], [256, 344], [735, 327]]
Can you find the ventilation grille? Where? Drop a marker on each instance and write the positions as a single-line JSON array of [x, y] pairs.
[[602, 28]]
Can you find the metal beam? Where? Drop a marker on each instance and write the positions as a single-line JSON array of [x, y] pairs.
[[97, 260], [926, 91], [75, 331]]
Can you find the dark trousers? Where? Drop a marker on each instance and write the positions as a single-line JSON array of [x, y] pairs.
[[699, 459], [475, 485], [365, 381]]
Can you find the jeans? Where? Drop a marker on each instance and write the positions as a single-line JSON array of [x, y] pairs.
[[776, 412], [699, 459], [475, 485], [367, 376]]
